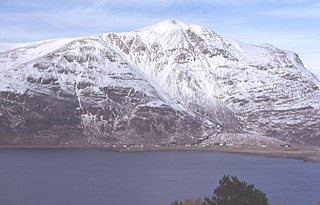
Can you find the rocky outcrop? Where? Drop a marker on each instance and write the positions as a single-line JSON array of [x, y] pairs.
[[85, 94], [166, 84]]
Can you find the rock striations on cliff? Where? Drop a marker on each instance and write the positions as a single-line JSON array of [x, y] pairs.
[[169, 83]]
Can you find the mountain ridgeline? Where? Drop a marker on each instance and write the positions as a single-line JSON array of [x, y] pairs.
[[169, 83]]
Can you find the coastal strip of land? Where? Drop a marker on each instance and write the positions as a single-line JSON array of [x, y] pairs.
[[306, 153]]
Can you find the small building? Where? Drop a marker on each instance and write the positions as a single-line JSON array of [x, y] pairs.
[[286, 145], [219, 144]]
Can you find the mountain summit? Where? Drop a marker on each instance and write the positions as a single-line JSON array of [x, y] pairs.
[[169, 83]]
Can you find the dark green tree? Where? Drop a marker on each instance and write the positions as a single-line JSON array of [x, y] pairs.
[[233, 192]]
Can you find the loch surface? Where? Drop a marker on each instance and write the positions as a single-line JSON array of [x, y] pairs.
[[82, 177]]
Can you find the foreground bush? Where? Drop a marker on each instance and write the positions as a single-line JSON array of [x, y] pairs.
[[233, 192]]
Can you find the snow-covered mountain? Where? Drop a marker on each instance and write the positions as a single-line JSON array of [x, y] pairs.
[[163, 84]]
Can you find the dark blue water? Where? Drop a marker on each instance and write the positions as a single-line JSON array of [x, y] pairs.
[[92, 177]]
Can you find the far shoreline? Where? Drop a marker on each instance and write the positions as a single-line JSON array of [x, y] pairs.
[[307, 153]]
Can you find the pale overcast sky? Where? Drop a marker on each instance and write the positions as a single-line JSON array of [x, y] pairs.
[[287, 24]]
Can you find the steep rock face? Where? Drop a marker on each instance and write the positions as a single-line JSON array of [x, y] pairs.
[[166, 54], [168, 83], [85, 94], [260, 89]]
